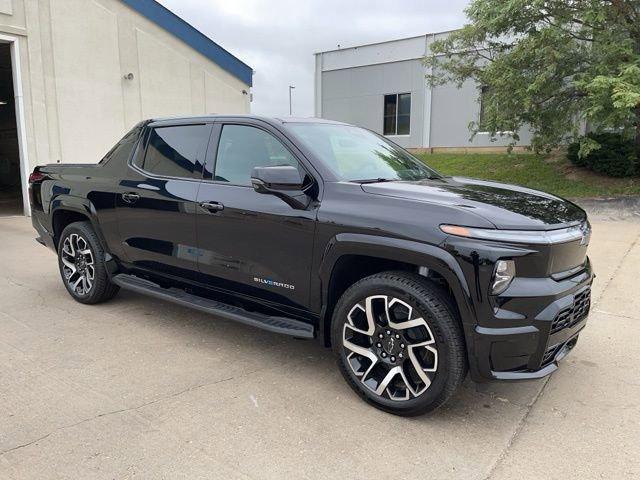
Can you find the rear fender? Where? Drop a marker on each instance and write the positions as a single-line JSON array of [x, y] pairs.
[[79, 205], [85, 207]]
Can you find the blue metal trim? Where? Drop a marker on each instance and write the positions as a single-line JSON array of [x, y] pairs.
[[194, 38]]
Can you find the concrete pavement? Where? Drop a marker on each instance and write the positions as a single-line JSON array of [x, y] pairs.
[[137, 388]]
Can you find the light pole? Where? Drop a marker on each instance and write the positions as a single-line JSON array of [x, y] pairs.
[[291, 87]]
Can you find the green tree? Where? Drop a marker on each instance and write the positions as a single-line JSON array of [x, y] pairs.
[[549, 64]]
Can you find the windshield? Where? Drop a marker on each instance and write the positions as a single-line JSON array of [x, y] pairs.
[[356, 154]]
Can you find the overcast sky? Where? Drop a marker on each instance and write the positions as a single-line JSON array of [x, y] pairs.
[[277, 38]]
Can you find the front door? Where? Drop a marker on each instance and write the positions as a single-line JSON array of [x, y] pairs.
[[156, 201], [252, 243]]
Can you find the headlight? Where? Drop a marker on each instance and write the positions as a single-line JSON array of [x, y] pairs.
[[503, 274], [531, 237]]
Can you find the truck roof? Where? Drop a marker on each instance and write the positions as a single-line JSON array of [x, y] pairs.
[[269, 119]]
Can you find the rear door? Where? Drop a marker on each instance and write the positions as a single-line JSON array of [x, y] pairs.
[[252, 243], [156, 200]]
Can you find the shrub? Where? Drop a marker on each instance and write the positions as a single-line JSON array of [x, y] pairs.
[[615, 157], [572, 155]]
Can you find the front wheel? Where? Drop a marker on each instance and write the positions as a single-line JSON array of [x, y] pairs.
[[81, 259], [399, 343]]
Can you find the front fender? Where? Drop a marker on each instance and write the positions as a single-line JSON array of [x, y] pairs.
[[408, 251], [415, 253]]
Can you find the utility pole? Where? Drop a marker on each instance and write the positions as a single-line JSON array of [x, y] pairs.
[[291, 87]]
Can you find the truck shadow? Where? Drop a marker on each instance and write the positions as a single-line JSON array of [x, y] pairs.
[[299, 360]]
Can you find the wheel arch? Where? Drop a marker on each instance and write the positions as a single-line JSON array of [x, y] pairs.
[[67, 209], [346, 252]]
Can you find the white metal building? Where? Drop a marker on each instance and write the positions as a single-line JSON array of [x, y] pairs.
[[382, 87], [75, 75]]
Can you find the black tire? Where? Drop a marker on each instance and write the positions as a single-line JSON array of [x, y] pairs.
[[101, 289], [445, 368]]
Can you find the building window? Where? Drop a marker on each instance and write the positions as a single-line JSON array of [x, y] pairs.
[[489, 101], [482, 121], [397, 114]]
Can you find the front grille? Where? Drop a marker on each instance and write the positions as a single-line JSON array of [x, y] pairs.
[[570, 316]]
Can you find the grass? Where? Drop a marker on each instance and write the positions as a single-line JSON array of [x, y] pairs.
[[553, 174]]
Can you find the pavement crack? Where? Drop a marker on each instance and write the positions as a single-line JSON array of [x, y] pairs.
[[27, 287], [176, 394], [24, 445], [125, 410], [613, 314], [615, 272], [523, 420], [516, 431]]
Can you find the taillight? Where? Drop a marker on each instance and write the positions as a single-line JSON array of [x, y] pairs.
[[35, 177]]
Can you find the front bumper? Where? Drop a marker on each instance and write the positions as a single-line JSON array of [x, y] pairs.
[[535, 332]]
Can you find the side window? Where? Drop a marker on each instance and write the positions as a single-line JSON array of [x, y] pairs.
[[121, 152], [242, 147], [173, 151]]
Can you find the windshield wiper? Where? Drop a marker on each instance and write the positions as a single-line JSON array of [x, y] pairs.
[[373, 180]]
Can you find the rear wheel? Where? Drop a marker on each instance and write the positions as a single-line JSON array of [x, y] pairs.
[[81, 260], [399, 343]]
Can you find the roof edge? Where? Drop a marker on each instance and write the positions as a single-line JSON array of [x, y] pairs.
[[382, 42], [169, 21]]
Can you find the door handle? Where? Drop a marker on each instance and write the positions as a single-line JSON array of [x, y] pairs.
[[212, 206], [130, 197]]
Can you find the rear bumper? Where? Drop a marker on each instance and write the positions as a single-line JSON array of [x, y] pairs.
[[538, 338], [44, 236]]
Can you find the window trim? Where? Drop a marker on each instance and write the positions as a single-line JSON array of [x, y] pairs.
[[218, 127], [143, 142], [397, 94], [481, 110]]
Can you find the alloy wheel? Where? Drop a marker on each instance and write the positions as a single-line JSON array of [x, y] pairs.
[[390, 348], [78, 264]]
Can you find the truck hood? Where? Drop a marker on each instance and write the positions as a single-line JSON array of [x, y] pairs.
[[506, 206]]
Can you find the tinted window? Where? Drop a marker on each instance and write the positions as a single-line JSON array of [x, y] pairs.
[[242, 147], [173, 151], [121, 152]]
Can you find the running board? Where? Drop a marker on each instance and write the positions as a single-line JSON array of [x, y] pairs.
[[286, 326]]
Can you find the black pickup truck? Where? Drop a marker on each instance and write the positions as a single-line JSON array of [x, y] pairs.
[[319, 229]]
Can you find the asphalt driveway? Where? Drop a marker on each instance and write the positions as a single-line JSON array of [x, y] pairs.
[[137, 388]]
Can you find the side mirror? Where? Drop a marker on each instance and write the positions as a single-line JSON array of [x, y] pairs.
[[284, 182], [284, 177]]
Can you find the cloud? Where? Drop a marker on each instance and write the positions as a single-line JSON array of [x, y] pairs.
[[277, 38]]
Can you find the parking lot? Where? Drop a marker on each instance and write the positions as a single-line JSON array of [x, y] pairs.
[[137, 388]]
